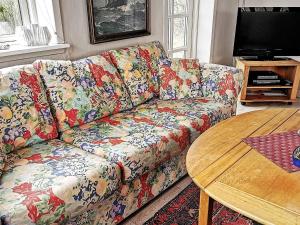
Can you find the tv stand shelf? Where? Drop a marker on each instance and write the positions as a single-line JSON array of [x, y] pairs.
[[270, 86], [286, 69]]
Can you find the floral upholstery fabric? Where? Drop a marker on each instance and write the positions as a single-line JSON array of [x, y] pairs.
[[197, 114], [134, 72], [223, 83], [25, 117], [134, 195], [142, 139], [106, 166], [3, 157], [50, 182], [83, 91], [152, 53], [108, 82], [180, 78], [136, 145]]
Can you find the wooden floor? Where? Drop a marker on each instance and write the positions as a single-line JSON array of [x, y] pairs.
[[151, 209]]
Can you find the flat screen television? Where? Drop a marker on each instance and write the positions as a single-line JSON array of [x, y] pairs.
[[264, 32]]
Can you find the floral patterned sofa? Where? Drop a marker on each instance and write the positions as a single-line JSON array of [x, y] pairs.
[[91, 141]]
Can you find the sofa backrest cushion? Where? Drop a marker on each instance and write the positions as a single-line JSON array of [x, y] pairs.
[[83, 91], [25, 115], [153, 53], [134, 72], [180, 78], [108, 82]]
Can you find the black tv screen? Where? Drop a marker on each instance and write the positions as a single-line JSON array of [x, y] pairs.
[[267, 32]]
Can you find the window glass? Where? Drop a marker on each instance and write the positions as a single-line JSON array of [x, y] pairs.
[[170, 33], [178, 55], [179, 27], [179, 32], [180, 7], [170, 7], [10, 16], [14, 13]]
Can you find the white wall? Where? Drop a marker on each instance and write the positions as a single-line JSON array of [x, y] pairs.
[[216, 29], [76, 33], [205, 29], [75, 29], [224, 31], [270, 3]]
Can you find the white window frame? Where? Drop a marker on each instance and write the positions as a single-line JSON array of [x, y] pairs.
[[168, 30]]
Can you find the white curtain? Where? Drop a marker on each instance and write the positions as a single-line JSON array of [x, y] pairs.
[[48, 14]]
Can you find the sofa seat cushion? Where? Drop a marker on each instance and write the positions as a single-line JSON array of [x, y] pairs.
[[137, 146], [50, 182], [197, 114], [84, 90]]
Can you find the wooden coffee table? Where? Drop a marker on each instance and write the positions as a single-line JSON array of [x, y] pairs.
[[232, 173]]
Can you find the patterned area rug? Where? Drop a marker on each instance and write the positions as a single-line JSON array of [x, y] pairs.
[[183, 210]]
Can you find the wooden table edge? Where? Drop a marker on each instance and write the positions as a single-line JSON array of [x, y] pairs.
[[226, 121], [207, 194], [292, 219]]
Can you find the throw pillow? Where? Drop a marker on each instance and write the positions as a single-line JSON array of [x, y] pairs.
[[180, 78]]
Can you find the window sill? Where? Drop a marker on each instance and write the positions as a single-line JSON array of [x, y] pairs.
[[16, 50]]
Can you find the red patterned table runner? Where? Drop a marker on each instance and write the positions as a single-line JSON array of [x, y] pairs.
[[278, 148]]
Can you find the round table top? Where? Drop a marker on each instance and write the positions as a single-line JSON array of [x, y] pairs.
[[239, 177]]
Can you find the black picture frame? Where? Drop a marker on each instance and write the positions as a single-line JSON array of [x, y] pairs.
[[96, 38]]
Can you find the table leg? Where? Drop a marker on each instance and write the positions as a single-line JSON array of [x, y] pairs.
[[205, 210]]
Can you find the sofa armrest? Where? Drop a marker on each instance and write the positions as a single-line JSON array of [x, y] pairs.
[[222, 83]]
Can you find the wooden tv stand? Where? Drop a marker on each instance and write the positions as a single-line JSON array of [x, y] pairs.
[[287, 69]]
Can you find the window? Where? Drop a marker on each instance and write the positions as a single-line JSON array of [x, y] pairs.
[[179, 34], [10, 17], [14, 13]]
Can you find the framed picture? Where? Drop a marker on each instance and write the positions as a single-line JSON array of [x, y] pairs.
[[111, 20]]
